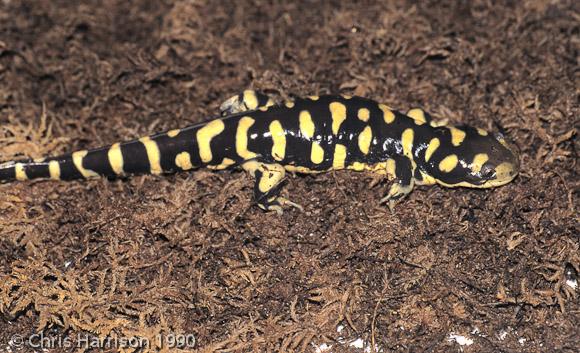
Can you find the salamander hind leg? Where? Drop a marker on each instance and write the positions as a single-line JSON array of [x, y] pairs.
[[245, 101], [269, 179], [402, 171]]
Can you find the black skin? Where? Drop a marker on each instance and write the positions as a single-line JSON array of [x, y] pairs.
[[386, 144]]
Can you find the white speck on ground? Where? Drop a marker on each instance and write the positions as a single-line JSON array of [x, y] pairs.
[[502, 335], [461, 340]]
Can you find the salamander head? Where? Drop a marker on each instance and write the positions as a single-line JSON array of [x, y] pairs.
[[470, 157]]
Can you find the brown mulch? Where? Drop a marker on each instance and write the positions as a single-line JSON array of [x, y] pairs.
[[189, 254]]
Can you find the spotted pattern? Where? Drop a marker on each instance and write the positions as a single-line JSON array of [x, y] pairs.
[[364, 140], [306, 124], [183, 161], [457, 136], [242, 138], [279, 139], [388, 115], [310, 135], [478, 162], [364, 114], [115, 157], [431, 148], [448, 163], [338, 113]]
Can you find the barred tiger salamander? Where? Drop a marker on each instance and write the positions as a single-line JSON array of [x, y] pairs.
[[310, 135]]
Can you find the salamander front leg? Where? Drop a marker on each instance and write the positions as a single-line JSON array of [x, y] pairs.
[[245, 101], [269, 179], [402, 169]]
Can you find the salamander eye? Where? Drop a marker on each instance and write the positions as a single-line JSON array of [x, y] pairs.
[[488, 173]]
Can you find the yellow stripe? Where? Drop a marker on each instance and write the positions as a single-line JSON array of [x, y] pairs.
[[388, 115], [482, 132], [339, 156], [289, 104], [279, 140], [317, 153], [250, 99], [364, 139], [77, 158], [306, 124], [448, 163], [457, 136], [418, 115], [204, 137], [242, 138], [116, 158], [433, 146], [152, 154], [20, 173], [54, 170], [479, 161], [314, 98], [183, 161], [173, 133], [407, 142], [364, 114], [338, 112]]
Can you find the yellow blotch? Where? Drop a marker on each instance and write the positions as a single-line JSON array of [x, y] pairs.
[[391, 168], [338, 112], [482, 132], [116, 158], [339, 156], [263, 108], [388, 114], [279, 140], [478, 162], [306, 124], [77, 158], [183, 161], [346, 96], [314, 98], [433, 146], [289, 104], [226, 162], [418, 115], [364, 139], [357, 166], [204, 137], [457, 136], [317, 153], [20, 173], [54, 170], [448, 163], [270, 102], [173, 133], [153, 155], [242, 138], [407, 142], [364, 114], [250, 99]]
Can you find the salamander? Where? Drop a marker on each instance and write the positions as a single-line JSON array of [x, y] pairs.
[[305, 135]]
